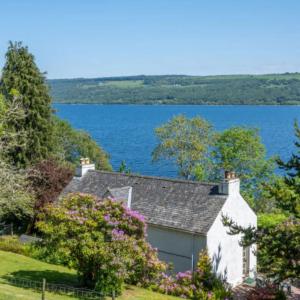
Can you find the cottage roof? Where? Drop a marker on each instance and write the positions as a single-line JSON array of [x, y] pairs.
[[180, 204]]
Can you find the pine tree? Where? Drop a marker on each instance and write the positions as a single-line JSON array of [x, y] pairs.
[[22, 74]]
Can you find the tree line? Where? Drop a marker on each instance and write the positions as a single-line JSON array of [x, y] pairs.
[[270, 89]]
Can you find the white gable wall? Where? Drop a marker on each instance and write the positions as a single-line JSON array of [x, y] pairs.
[[224, 249]]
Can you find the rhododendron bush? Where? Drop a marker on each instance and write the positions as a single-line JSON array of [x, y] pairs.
[[202, 284], [102, 239]]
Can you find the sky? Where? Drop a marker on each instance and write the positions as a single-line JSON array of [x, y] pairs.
[[96, 38]]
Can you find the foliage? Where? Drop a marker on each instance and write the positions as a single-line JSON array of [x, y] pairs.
[[240, 150], [186, 142], [31, 130], [16, 201], [12, 244], [279, 253], [21, 73], [203, 276], [71, 145], [270, 219], [180, 89], [124, 168], [200, 153], [202, 284], [101, 239], [47, 179], [10, 140]]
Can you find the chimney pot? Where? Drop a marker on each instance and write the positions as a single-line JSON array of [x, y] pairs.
[[229, 175], [85, 165], [230, 185]]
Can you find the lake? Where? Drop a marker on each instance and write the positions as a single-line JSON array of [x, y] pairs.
[[126, 132]]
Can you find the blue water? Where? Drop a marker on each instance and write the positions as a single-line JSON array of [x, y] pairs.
[[126, 132]]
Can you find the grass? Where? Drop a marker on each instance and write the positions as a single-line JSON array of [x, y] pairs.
[[21, 266], [8, 292]]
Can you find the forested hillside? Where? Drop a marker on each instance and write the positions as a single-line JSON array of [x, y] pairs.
[[179, 89]]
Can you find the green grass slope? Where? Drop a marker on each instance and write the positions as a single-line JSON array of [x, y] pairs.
[[276, 89], [20, 266]]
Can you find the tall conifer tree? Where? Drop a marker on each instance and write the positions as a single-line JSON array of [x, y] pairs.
[[22, 74]]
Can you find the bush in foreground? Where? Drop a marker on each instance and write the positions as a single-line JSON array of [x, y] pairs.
[[102, 239]]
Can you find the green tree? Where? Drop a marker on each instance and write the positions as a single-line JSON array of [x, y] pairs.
[[124, 168], [9, 138], [16, 200], [186, 142], [240, 150], [201, 154], [70, 145], [21, 73]]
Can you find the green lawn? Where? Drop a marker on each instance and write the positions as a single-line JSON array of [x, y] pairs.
[[25, 267]]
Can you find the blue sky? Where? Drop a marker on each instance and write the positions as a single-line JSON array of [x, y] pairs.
[[94, 38]]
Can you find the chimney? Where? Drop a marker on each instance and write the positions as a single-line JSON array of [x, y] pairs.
[[84, 166], [230, 184]]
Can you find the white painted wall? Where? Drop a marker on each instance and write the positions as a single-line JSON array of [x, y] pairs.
[[224, 249], [182, 248], [176, 247]]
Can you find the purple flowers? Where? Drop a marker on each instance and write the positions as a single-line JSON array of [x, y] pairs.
[[135, 214], [118, 235], [107, 218], [184, 275], [117, 232]]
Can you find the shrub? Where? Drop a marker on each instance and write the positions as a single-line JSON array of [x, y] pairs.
[[102, 239], [202, 284], [12, 244], [40, 252]]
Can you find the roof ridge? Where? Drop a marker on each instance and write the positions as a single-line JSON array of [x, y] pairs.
[[157, 178]]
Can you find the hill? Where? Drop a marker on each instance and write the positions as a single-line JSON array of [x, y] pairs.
[[279, 89]]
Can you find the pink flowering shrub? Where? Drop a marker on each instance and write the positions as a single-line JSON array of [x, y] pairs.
[[201, 284], [102, 239]]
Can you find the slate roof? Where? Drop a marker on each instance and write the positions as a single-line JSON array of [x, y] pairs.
[[119, 194], [184, 205]]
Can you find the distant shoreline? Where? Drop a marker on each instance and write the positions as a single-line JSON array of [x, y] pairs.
[[169, 104], [271, 89]]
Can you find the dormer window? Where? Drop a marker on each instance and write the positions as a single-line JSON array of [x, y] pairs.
[[122, 194]]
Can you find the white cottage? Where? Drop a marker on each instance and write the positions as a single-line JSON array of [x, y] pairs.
[[183, 216]]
